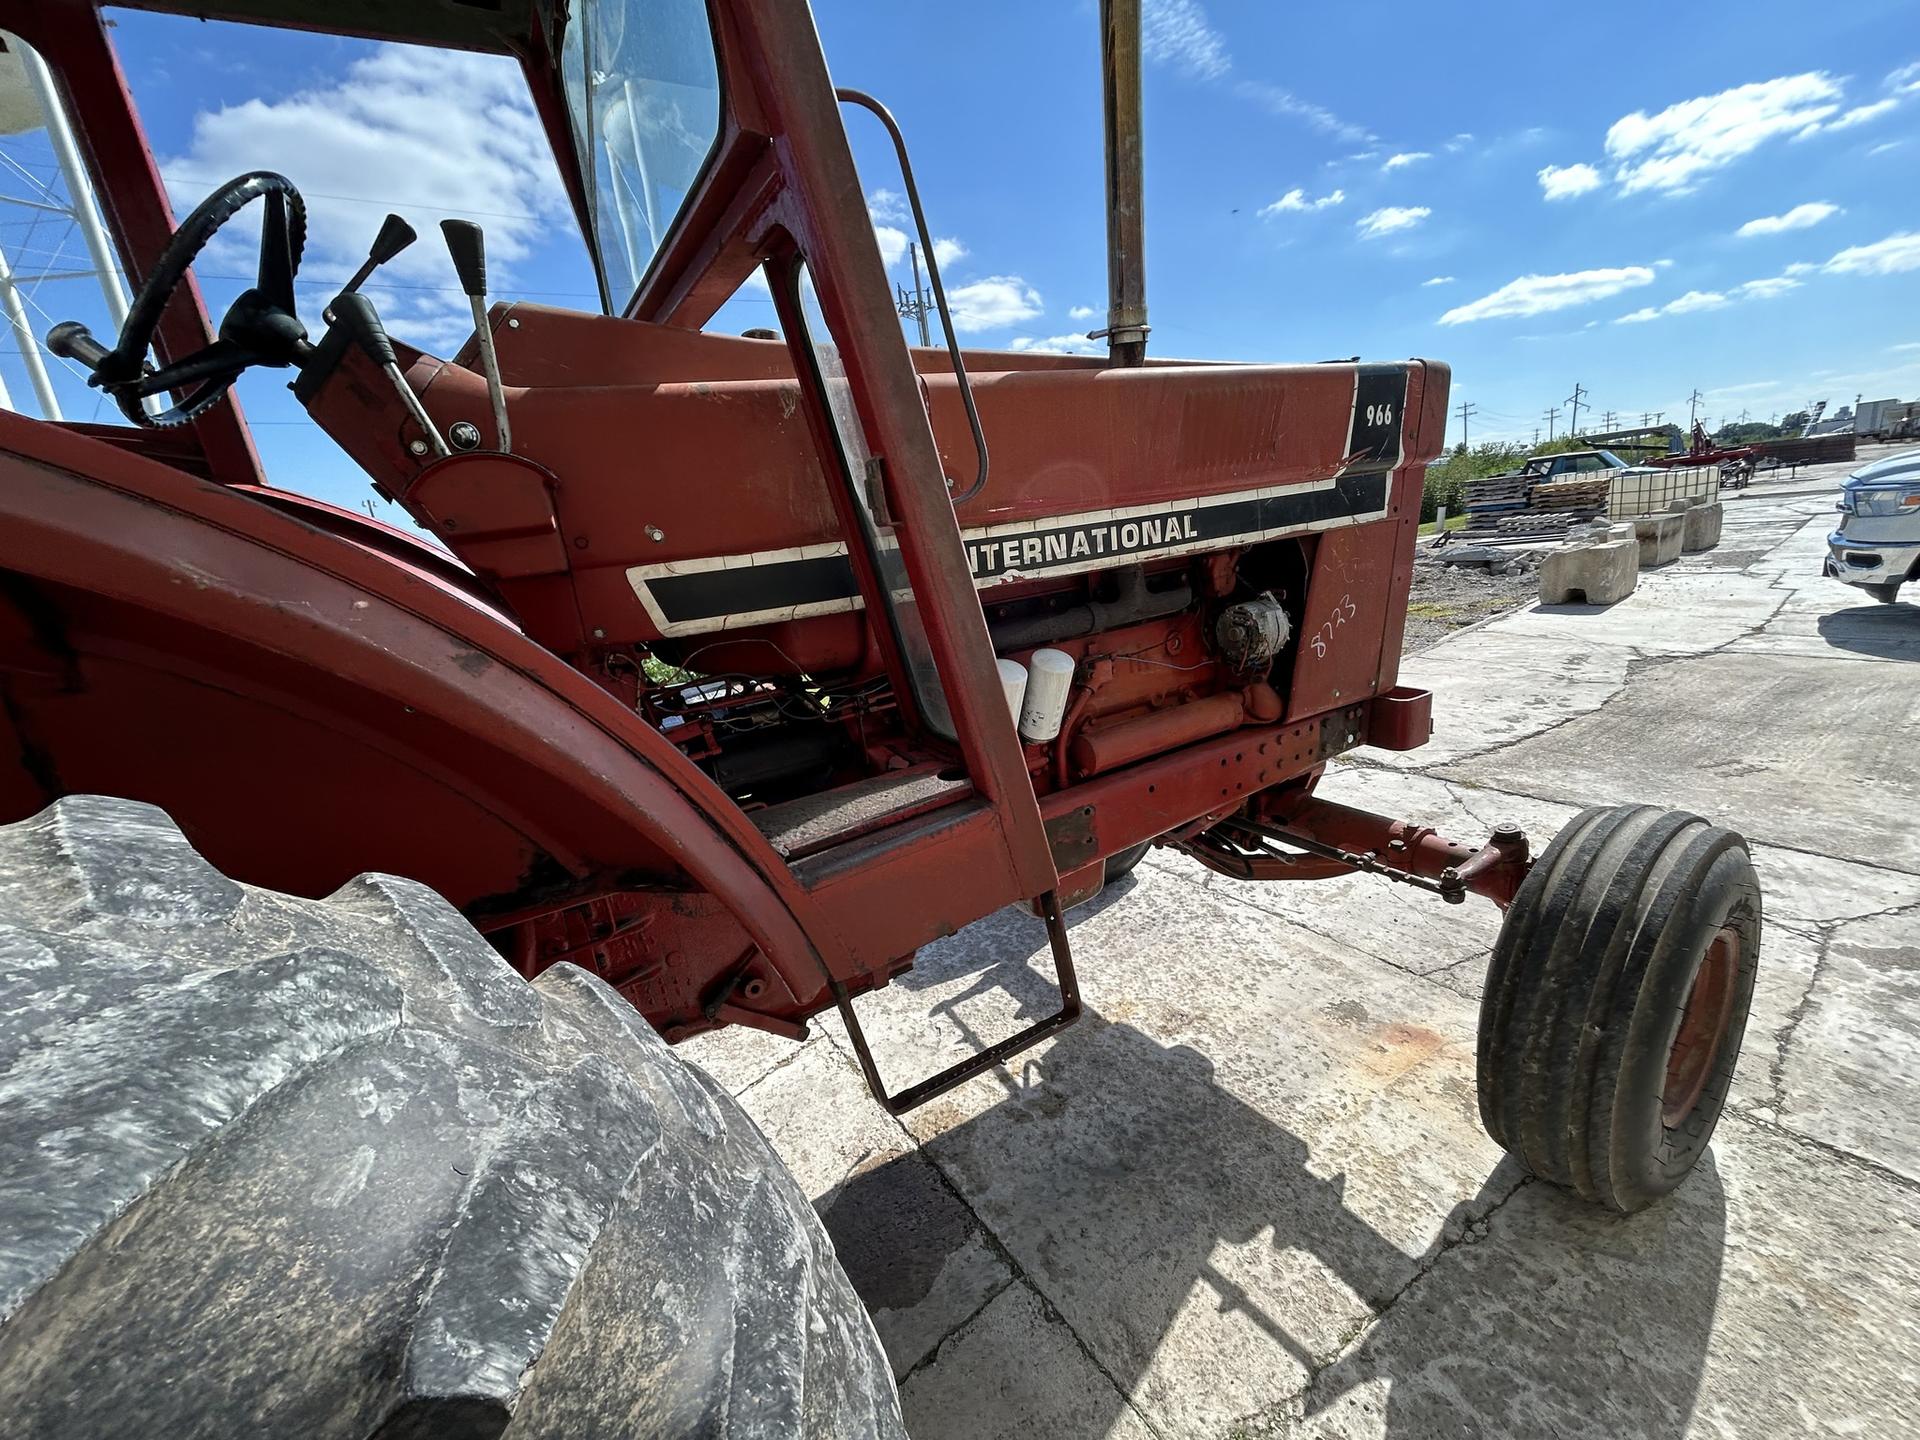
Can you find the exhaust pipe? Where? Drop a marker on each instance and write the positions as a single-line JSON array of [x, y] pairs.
[[1126, 332]]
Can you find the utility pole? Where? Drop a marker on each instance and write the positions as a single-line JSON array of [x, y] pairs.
[[917, 304], [1466, 413], [1579, 394], [1536, 437], [1606, 420], [1551, 416], [1693, 409]]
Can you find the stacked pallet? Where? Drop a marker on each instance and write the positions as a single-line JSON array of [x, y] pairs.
[[1531, 525], [1586, 494], [1497, 492], [1491, 500], [1515, 507]]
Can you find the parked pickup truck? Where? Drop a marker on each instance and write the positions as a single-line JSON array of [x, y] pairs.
[[1877, 544]]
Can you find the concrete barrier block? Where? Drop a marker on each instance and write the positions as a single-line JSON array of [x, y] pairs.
[[1700, 528], [1660, 537], [1685, 503], [1590, 574], [1623, 532]]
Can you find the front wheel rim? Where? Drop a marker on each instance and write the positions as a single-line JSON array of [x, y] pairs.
[[1703, 1028]]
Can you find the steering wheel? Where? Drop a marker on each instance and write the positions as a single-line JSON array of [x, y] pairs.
[[259, 328]]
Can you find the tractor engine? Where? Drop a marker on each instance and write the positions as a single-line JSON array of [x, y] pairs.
[[1101, 670]]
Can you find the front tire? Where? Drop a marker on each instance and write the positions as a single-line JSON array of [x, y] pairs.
[[1121, 864], [1617, 999], [332, 1168]]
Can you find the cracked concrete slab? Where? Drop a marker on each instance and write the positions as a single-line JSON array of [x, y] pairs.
[[1788, 962], [822, 1083], [1672, 612], [1772, 1294], [1748, 741], [738, 1056], [918, 1258], [1147, 1170], [1491, 689], [1850, 1075], [1016, 1373]]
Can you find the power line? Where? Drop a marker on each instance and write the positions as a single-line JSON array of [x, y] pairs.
[[1466, 413], [1579, 394], [916, 305]]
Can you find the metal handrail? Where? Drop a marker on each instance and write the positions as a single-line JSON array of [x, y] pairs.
[[861, 98]]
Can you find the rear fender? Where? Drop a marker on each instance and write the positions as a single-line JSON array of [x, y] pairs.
[[306, 628]]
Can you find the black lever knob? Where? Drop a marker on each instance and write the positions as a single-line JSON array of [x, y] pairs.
[[73, 341], [468, 246], [356, 312], [395, 235]]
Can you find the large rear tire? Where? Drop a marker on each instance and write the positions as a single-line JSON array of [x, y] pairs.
[[1617, 999], [331, 1168]]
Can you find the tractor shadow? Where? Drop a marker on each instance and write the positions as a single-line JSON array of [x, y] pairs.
[[1191, 1242], [1887, 632]]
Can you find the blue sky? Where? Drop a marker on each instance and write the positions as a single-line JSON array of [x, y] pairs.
[[1731, 208]]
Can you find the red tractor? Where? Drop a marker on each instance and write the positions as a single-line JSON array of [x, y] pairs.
[[749, 667]]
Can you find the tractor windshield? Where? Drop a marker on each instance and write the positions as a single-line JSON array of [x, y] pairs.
[[643, 93]]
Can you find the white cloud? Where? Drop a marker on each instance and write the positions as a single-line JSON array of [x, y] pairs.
[[1296, 199], [1082, 312], [994, 303], [1905, 80], [1909, 345], [884, 204], [1884, 257], [893, 244], [1460, 141], [1178, 33], [1406, 158], [948, 250], [1884, 146], [1862, 114], [1058, 345], [1537, 294], [1563, 182], [1677, 147], [1772, 287], [1390, 219], [1437, 280], [1800, 217], [1285, 102], [1695, 300], [442, 129]]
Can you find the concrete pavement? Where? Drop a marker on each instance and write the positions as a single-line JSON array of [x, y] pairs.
[[1249, 1194]]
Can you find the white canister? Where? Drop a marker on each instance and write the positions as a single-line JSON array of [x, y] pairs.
[[1013, 683], [1049, 678]]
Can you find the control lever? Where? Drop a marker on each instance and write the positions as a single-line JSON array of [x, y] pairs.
[[355, 311], [71, 340], [468, 246], [395, 235]]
